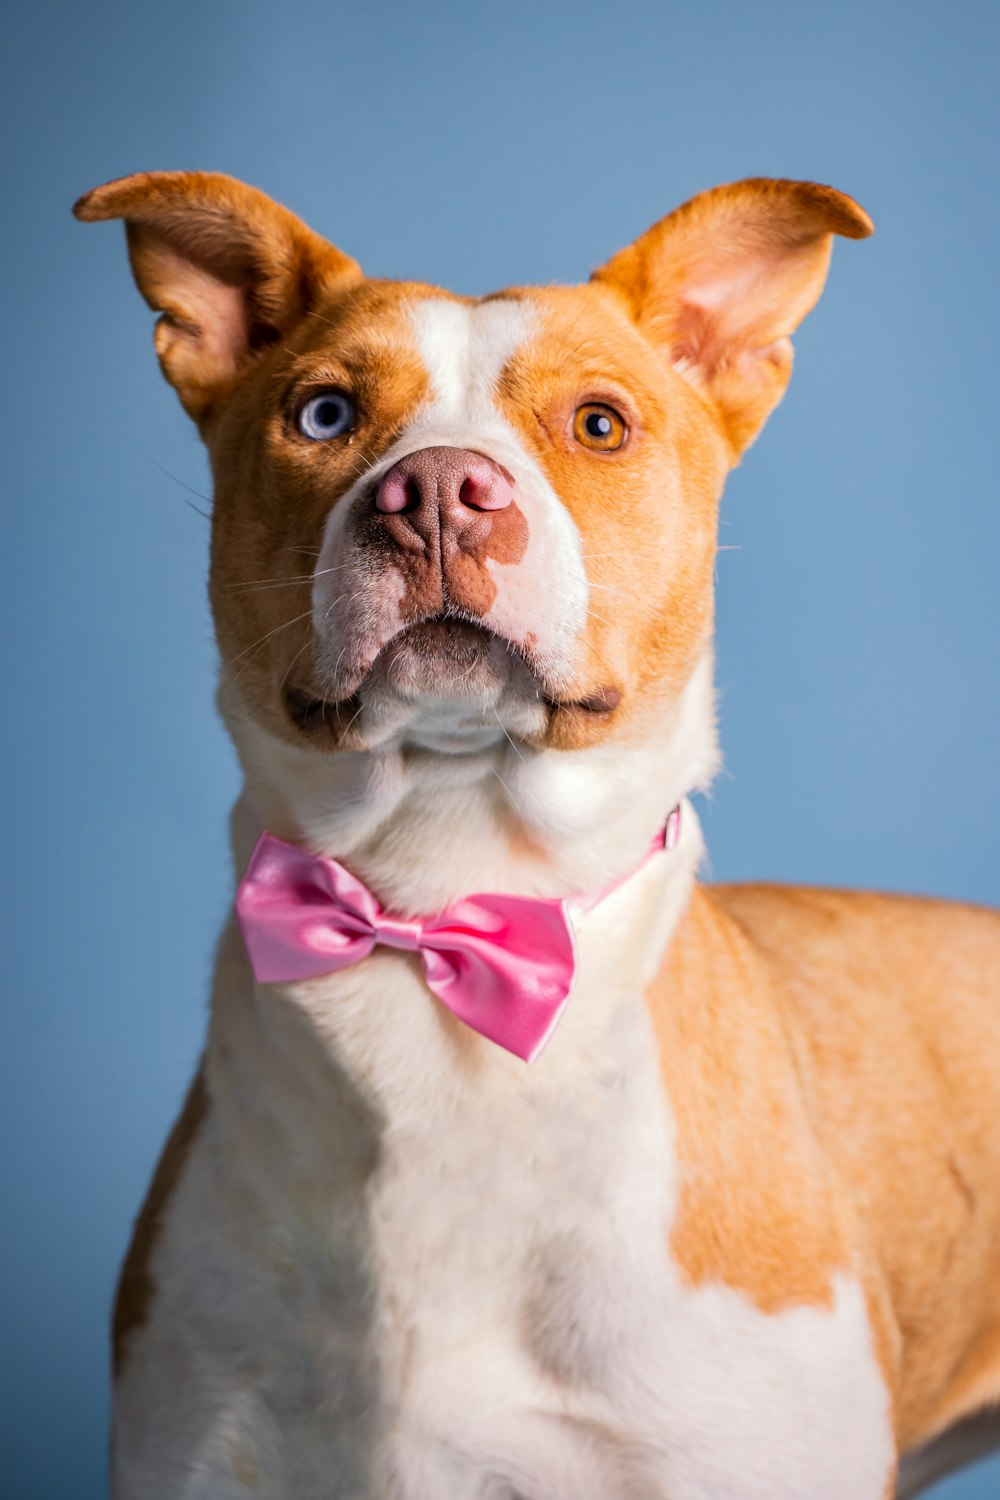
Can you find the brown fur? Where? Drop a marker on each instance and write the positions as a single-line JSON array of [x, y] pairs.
[[723, 280], [291, 313], [136, 1288], [652, 610], [844, 1050], [832, 1059]]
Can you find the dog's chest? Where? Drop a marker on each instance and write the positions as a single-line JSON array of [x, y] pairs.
[[535, 1338], [512, 1244], [483, 1305], [402, 1265]]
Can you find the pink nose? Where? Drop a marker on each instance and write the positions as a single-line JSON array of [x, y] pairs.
[[442, 486]]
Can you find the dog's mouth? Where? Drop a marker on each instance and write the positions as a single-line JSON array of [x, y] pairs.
[[444, 657], [440, 659]]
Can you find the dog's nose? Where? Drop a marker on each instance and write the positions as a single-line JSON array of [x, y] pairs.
[[443, 489]]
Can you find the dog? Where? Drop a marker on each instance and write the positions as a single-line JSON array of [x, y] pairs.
[[520, 1165]]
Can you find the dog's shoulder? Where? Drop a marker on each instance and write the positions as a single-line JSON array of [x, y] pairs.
[[815, 927], [891, 1009], [906, 976]]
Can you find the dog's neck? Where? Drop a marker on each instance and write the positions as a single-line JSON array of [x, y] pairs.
[[423, 828]]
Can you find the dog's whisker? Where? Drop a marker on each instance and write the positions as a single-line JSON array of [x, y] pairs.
[[507, 736], [510, 794], [336, 669], [331, 607], [260, 584], [311, 313], [257, 645], [600, 659], [356, 714], [190, 489], [364, 466], [284, 679]]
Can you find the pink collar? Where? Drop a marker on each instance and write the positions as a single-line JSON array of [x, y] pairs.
[[504, 965]]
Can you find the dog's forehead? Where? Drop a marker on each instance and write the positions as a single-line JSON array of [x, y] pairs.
[[463, 345]]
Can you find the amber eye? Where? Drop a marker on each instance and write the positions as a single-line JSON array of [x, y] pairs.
[[599, 427]]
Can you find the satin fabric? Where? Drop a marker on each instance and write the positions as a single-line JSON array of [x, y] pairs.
[[502, 964]]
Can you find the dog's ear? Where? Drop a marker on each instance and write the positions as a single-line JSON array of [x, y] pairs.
[[229, 269], [720, 284]]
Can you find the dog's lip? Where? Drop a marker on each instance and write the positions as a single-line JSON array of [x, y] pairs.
[[443, 631], [604, 701], [311, 709]]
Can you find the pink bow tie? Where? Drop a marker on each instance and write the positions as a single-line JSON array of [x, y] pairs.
[[502, 964]]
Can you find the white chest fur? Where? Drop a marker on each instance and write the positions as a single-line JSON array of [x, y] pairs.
[[403, 1266]]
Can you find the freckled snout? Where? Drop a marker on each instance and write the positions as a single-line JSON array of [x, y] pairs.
[[449, 493], [446, 577]]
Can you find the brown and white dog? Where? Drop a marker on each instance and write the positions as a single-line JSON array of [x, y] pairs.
[[736, 1234]]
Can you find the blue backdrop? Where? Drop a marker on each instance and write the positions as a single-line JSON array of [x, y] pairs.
[[476, 146]]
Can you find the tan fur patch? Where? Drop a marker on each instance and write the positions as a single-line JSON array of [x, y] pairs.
[[897, 1052], [759, 1208], [646, 513], [136, 1288], [274, 490]]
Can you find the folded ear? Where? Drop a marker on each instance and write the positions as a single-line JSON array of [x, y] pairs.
[[229, 269], [720, 284]]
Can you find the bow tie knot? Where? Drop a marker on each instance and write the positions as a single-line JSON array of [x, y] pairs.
[[396, 932], [502, 964]]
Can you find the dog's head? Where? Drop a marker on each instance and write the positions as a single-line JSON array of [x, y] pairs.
[[441, 521]]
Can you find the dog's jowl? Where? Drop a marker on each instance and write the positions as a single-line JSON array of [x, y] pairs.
[[518, 1162]]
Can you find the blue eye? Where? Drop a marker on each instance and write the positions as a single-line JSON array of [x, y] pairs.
[[327, 416]]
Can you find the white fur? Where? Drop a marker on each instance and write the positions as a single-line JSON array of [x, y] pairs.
[[402, 1265], [404, 820], [464, 349]]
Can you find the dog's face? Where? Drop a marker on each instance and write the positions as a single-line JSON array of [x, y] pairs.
[[441, 521], [507, 508]]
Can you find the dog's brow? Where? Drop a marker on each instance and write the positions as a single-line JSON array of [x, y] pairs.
[[465, 349]]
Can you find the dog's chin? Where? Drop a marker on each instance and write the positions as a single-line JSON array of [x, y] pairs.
[[450, 687], [444, 685]]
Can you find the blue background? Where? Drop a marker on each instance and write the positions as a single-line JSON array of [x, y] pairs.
[[472, 145]]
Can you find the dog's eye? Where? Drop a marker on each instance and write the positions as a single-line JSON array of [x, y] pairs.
[[599, 427], [327, 416]]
